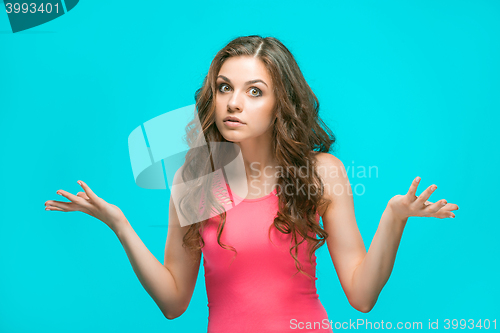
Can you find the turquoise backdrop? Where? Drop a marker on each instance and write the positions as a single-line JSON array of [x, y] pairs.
[[411, 88]]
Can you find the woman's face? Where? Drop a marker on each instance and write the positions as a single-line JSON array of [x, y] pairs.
[[244, 90]]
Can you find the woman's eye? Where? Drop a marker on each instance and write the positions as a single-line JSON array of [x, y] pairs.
[[257, 91], [221, 87]]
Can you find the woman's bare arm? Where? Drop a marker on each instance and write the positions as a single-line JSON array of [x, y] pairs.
[[361, 274], [171, 285]]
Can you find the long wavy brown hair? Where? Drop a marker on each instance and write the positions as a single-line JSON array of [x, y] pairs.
[[298, 134]]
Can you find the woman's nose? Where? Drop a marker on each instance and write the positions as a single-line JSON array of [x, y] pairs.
[[235, 103]]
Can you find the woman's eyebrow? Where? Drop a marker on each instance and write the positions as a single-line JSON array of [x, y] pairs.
[[248, 82]]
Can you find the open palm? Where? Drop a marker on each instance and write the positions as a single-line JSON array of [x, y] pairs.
[[89, 203], [410, 204]]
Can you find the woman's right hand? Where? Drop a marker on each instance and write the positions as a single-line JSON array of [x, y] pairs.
[[89, 203]]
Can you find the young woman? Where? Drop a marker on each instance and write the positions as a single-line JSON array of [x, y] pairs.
[[256, 98]]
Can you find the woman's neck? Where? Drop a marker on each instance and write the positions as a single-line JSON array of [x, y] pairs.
[[260, 165]]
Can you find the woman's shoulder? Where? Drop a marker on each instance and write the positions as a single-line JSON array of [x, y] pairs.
[[326, 160], [331, 171]]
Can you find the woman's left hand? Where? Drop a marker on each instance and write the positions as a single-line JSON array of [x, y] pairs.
[[404, 206]]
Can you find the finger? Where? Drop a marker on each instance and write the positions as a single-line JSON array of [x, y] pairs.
[[83, 195], [54, 208], [54, 203], [69, 196], [76, 203], [425, 194], [65, 206], [87, 190], [435, 207], [449, 207], [445, 211], [442, 214], [413, 187]]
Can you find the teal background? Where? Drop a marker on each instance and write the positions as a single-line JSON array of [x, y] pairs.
[[411, 88]]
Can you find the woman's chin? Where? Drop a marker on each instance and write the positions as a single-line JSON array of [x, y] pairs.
[[232, 138]]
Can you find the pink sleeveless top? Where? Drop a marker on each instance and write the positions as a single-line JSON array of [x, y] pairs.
[[260, 290]]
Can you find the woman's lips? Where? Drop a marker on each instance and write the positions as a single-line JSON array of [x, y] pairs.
[[233, 123]]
